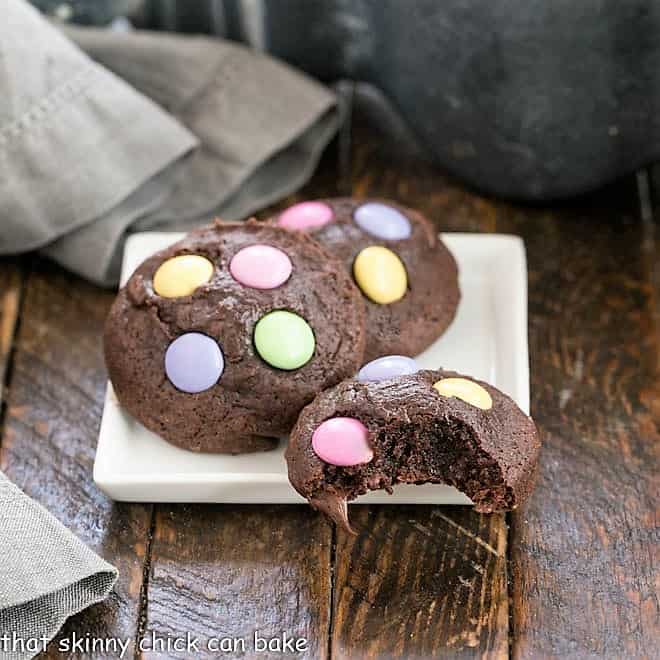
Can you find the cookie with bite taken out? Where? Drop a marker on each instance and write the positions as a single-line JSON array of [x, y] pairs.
[[406, 274], [217, 342], [394, 425]]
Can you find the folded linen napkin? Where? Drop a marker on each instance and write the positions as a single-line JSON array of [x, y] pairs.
[[184, 129], [46, 574]]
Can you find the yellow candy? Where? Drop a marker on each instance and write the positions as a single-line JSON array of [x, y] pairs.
[[180, 276], [380, 274], [466, 390]]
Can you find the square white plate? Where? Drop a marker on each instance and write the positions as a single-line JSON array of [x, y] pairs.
[[488, 340]]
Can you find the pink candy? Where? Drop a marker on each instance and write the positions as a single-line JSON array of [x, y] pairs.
[[260, 267], [305, 216], [342, 441]]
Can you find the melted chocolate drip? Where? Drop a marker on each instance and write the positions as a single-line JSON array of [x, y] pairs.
[[334, 507]]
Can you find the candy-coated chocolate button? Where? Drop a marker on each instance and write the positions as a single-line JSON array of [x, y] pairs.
[[284, 340], [466, 390], [194, 362], [261, 267], [389, 366], [342, 441], [382, 221], [306, 216], [380, 274], [180, 276]]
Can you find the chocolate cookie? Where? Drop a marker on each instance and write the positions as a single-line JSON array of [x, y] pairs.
[[218, 341], [376, 431], [407, 275]]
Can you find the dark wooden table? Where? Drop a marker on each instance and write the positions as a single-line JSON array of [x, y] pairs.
[[569, 576]]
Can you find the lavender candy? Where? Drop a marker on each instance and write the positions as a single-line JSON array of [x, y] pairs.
[[389, 366], [194, 362], [382, 221]]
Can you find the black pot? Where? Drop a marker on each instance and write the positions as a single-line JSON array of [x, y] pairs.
[[528, 99]]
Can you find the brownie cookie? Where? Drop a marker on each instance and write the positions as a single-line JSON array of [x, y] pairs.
[[381, 429], [218, 341], [407, 275]]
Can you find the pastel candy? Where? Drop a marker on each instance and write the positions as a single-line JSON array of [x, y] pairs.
[[261, 267], [180, 276], [342, 441], [194, 362], [466, 390], [306, 216], [284, 340], [389, 366], [382, 221], [380, 274]]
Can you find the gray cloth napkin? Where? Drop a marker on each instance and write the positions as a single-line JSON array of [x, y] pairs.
[[46, 574], [184, 129]]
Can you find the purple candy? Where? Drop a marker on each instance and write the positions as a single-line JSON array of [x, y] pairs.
[[194, 362], [382, 221], [389, 366]]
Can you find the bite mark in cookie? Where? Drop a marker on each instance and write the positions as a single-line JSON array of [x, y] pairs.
[[416, 434]]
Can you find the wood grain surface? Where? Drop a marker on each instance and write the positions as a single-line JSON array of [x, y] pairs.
[[222, 572], [584, 551], [572, 575], [421, 582], [11, 289], [51, 425]]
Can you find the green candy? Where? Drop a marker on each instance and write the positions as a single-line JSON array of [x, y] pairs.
[[284, 340]]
